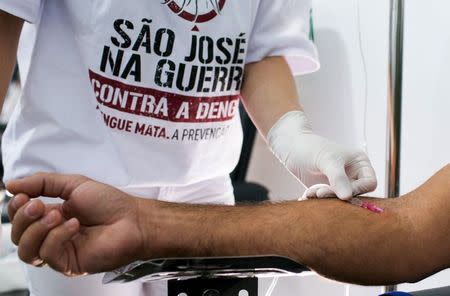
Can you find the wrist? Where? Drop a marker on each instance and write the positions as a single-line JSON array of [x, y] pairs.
[[286, 132], [147, 228], [291, 122]]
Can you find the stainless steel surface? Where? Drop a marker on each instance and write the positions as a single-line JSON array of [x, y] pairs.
[[394, 102], [213, 267]]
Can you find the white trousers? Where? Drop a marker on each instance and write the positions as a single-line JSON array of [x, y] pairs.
[[46, 282]]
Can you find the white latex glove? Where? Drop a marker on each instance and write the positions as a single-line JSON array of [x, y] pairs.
[[293, 142]]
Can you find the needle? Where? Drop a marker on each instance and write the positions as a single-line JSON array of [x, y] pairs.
[[366, 205], [354, 201]]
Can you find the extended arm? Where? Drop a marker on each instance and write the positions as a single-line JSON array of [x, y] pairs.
[[409, 241], [10, 27]]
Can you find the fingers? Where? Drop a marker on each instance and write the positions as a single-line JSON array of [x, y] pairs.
[[364, 177], [41, 236], [15, 204], [339, 182], [317, 191], [54, 249], [359, 187], [325, 192], [24, 217], [353, 177], [33, 237], [46, 184], [363, 186], [356, 176], [366, 182]]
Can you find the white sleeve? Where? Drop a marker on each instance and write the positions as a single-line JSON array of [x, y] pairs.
[[29, 10], [282, 28]]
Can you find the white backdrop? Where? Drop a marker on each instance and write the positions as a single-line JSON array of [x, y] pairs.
[[426, 91]]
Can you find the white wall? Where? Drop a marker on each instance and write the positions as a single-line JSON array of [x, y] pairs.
[[334, 97], [426, 91]]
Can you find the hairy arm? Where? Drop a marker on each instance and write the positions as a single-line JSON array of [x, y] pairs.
[[10, 27], [99, 228], [409, 241]]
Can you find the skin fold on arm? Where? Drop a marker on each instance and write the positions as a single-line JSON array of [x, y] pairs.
[[100, 228]]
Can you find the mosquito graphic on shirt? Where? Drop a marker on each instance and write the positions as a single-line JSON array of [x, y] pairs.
[[196, 7]]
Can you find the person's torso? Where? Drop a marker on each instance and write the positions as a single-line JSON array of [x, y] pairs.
[[137, 93]]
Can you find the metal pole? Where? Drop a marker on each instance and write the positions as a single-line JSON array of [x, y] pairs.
[[394, 119]]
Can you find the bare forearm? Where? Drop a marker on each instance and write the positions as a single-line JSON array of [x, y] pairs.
[[268, 92], [334, 238], [10, 27]]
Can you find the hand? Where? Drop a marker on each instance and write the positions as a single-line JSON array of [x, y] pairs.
[[349, 171], [95, 229]]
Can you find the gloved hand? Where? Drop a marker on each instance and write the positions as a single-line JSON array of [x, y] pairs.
[[293, 142]]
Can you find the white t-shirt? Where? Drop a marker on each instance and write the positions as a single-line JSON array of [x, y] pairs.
[[143, 93]]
